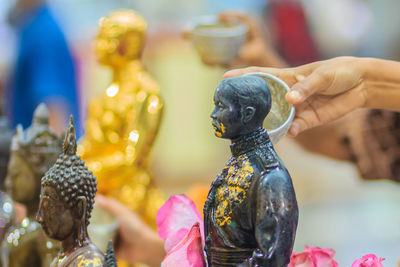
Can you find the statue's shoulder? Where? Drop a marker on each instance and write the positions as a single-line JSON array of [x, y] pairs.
[[88, 256], [148, 84], [275, 176], [90, 259]]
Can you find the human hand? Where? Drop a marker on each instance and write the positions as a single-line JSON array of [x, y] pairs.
[[257, 50], [137, 241], [322, 91]]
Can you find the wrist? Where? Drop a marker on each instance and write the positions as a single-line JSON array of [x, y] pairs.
[[380, 83]]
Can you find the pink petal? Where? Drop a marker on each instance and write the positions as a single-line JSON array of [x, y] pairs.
[[303, 259], [323, 259], [172, 240], [330, 252], [314, 257], [175, 218], [369, 260], [188, 252]]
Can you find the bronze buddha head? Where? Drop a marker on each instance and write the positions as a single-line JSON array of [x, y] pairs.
[[67, 194], [32, 153], [241, 105], [120, 38]]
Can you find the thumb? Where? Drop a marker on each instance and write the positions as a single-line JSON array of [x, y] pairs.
[[112, 206], [306, 87]]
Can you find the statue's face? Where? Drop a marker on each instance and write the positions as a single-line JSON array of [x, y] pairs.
[[226, 116], [20, 181], [106, 47], [115, 50], [56, 218]]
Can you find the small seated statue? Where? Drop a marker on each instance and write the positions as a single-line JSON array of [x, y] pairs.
[[122, 124], [66, 201], [33, 151], [251, 213]]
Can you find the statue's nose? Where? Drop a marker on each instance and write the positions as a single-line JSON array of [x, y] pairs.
[[213, 114]]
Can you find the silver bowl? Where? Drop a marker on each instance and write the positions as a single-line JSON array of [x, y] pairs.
[[217, 43], [279, 119]]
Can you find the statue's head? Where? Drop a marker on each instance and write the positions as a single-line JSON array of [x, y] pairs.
[[120, 38], [67, 193], [33, 151], [241, 105]]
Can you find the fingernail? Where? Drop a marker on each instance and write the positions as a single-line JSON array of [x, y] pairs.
[[300, 77], [294, 95]]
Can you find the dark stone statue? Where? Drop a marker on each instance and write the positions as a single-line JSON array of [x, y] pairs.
[[33, 151], [251, 212], [66, 201]]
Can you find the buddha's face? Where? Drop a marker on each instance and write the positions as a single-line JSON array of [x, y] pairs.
[[20, 181], [226, 116], [56, 218], [115, 49]]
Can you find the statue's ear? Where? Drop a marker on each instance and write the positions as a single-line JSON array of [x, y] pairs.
[[248, 114], [81, 208]]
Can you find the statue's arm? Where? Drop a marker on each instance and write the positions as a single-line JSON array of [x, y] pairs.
[[94, 133], [275, 220], [147, 126]]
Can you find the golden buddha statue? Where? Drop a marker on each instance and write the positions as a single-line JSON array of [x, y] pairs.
[[33, 151], [122, 124]]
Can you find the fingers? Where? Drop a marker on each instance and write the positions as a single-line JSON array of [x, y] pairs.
[[324, 109], [307, 86], [289, 75], [231, 16], [112, 206]]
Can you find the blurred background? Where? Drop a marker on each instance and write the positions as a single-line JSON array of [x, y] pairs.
[[337, 209]]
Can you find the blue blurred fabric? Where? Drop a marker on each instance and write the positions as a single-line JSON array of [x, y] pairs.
[[44, 70]]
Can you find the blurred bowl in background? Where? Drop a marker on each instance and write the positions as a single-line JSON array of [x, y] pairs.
[[278, 121], [217, 43]]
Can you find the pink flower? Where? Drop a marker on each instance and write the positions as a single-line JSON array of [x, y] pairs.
[[180, 224], [369, 260], [188, 252], [313, 257]]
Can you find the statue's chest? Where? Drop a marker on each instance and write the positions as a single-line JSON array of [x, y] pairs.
[[121, 106], [234, 191]]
